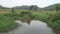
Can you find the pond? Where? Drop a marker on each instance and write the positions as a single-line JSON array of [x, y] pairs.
[[35, 27]]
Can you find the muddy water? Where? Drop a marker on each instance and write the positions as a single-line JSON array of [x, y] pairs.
[[35, 27]]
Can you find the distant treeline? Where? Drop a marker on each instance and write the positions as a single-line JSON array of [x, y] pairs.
[[54, 7]]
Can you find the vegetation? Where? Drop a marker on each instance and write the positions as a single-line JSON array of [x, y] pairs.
[[52, 18], [6, 24], [33, 7], [55, 22], [58, 7]]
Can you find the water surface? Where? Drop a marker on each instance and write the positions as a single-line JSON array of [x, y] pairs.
[[35, 27]]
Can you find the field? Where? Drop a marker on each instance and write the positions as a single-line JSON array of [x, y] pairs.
[[52, 18]]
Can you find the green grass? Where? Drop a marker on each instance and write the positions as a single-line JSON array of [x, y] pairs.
[[6, 24], [4, 11]]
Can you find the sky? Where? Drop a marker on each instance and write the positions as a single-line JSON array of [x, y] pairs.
[[39, 3]]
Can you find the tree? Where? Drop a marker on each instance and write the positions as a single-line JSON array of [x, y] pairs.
[[33, 7], [58, 7], [12, 10]]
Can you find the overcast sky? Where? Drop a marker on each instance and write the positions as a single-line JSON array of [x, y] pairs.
[[40, 3]]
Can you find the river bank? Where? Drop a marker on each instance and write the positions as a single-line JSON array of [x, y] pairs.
[[27, 16], [6, 24], [35, 27]]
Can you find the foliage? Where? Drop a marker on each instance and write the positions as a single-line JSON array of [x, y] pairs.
[[33, 7], [6, 24], [58, 7], [12, 10]]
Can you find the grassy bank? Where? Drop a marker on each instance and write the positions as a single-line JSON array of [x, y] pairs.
[[6, 24]]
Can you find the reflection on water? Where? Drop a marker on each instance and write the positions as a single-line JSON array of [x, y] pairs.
[[36, 27]]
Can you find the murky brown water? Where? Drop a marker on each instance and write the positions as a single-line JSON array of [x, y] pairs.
[[36, 27]]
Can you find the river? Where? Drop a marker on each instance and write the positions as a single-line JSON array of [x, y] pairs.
[[35, 27]]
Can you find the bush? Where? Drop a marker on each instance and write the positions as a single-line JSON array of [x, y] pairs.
[[23, 13], [56, 24], [56, 21]]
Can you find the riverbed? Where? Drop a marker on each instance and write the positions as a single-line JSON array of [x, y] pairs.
[[35, 27]]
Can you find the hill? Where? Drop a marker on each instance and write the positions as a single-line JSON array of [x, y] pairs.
[[26, 7], [1, 7], [50, 8]]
